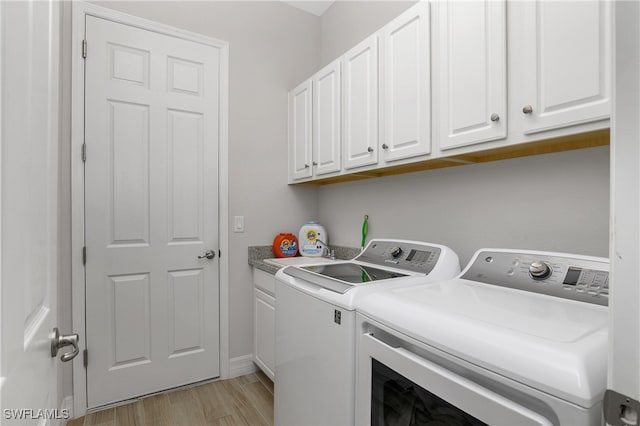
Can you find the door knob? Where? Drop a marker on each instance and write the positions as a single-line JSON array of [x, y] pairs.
[[527, 109], [209, 254], [60, 341]]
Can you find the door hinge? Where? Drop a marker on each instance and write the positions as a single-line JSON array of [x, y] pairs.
[[85, 358], [84, 152], [219, 253], [620, 410], [84, 255], [84, 49]]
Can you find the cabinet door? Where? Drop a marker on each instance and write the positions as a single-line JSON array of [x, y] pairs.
[[360, 96], [471, 52], [264, 338], [300, 131], [326, 120], [405, 75], [567, 63]]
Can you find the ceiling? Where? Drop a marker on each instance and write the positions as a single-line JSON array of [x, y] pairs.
[[316, 7]]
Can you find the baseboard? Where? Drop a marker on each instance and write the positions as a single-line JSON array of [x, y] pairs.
[[241, 365]]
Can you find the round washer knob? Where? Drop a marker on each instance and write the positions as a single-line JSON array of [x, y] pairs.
[[396, 251], [539, 270]]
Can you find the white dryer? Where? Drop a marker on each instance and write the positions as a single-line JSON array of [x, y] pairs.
[[519, 338], [315, 324]]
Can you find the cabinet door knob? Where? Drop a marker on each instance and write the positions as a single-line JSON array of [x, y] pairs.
[[306, 166], [370, 149], [315, 163], [527, 109], [495, 117], [385, 146]]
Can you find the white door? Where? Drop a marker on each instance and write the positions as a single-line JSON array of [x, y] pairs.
[[360, 104], [566, 57], [151, 185], [326, 119], [264, 334], [405, 92], [472, 77], [29, 196], [300, 131]]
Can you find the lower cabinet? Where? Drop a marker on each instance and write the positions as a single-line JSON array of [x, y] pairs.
[[264, 339]]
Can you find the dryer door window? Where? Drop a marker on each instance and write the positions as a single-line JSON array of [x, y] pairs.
[[397, 401]]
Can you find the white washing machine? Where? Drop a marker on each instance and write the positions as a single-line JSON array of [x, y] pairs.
[[519, 338], [315, 324]]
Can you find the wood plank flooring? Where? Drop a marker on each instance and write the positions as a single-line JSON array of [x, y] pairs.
[[245, 400]]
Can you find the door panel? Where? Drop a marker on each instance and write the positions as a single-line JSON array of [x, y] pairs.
[[29, 209], [472, 79], [185, 176], [151, 209], [406, 85], [326, 119], [300, 131], [360, 100], [567, 60]]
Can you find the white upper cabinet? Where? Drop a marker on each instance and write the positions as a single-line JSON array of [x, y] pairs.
[[300, 131], [405, 76], [470, 53], [566, 62], [360, 104], [326, 120]]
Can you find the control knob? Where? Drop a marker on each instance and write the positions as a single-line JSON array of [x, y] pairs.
[[396, 251], [539, 270]]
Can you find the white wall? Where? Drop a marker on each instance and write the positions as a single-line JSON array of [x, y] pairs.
[[272, 47], [472, 206], [556, 202], [346, 23]]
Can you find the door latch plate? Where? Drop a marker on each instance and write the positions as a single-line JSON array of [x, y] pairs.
[[620, 410]]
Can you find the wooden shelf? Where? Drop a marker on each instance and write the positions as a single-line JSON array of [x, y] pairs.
[[566, 143]]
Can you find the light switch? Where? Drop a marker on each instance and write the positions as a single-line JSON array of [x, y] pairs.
[[238, 224]]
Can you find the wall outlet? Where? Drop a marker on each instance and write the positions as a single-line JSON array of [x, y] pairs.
[[238, 224]]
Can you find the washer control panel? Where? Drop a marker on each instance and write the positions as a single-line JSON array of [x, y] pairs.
[[410, 256], [577, 278]]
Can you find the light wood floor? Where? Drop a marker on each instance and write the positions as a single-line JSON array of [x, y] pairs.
[[245, 400]]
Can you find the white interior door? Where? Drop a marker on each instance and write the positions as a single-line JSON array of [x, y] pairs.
[[151, 206], [29, 165]]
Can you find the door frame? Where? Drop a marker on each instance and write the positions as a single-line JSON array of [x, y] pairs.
[[79, 11]]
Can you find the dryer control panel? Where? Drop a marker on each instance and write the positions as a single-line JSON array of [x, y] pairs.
[[562, 275], [407, 255]]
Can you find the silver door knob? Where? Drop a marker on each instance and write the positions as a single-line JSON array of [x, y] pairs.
[[385, 146], [306, 166], [209, 254], [370, 149], [527, 109], [60, 341], [315, 163], [495, 117]]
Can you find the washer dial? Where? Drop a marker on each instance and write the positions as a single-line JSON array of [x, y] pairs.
[[539, 270]]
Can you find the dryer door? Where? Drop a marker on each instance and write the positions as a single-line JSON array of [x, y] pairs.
[[396, 386]]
